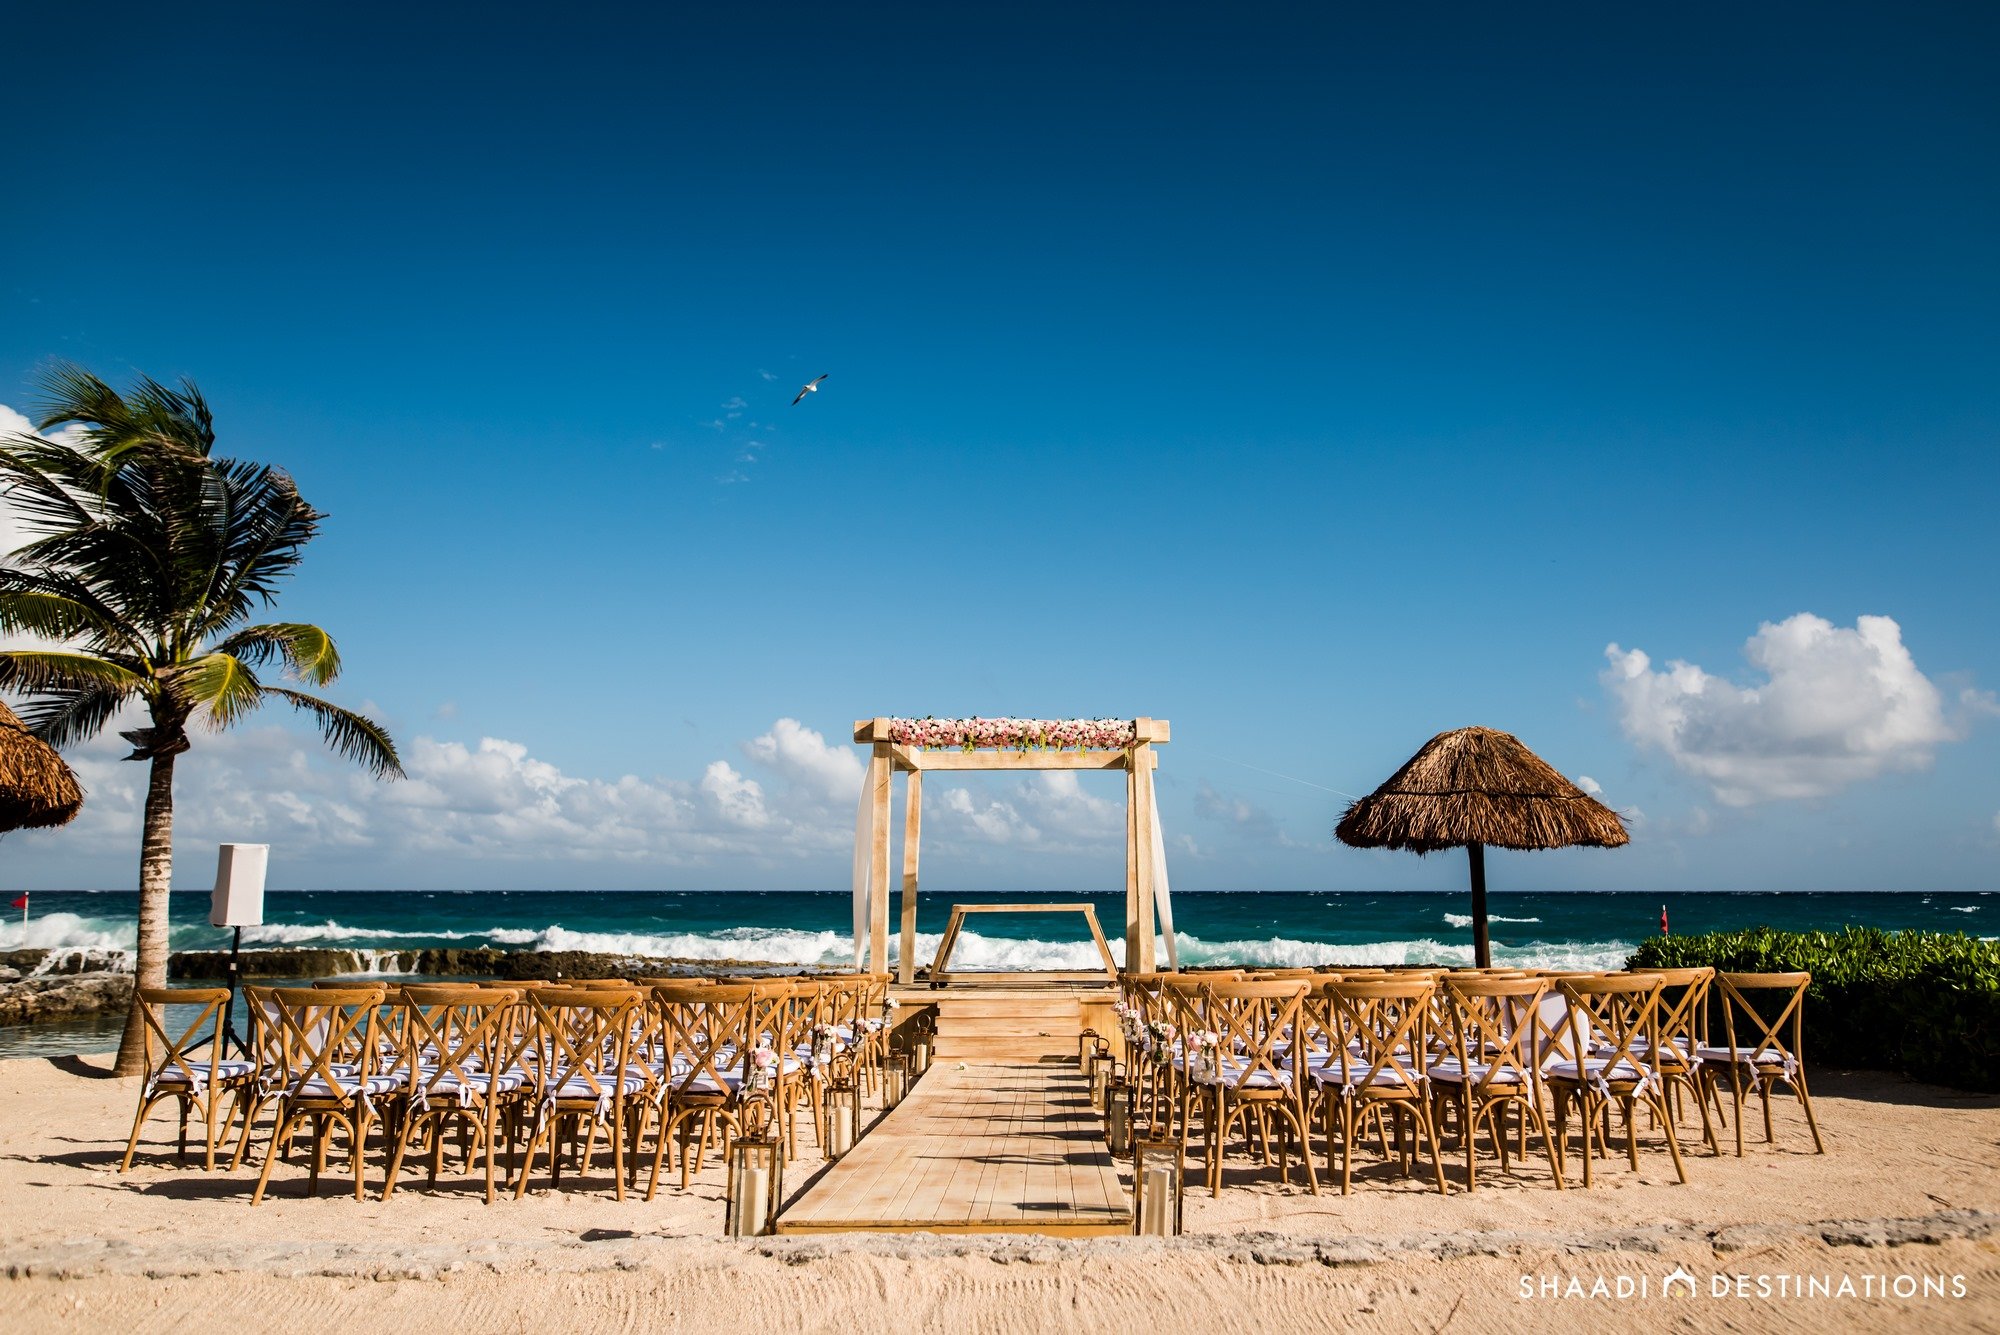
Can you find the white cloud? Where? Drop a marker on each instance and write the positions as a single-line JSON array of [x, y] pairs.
[[802, 756], [1836, 706], [994, 822], [1589, 785], [488, 802], [1050, 811]]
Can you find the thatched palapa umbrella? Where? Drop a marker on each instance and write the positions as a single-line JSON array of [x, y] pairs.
[[1472, 787], [37, 789]]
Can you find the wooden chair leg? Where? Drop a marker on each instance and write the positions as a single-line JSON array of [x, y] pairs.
[[279, 1131]]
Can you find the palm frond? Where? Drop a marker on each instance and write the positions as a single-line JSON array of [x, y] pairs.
[[66, 718], [352, 736], [39, 670], [220, 684], [305, 649]]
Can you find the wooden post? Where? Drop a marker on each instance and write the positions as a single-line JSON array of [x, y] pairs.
[[1142, 823], [1131, 867], [1482, 948], [879, 774], [913, 816]]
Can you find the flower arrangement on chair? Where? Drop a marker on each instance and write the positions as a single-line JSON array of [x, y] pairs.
[[761, 1070]]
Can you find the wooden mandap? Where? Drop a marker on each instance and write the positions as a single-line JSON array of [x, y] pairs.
[[914, 747]]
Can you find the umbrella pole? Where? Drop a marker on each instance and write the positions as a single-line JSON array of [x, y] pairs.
[[1482, 948]]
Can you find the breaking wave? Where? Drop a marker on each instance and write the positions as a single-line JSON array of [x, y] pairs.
[[67, 931], [1465, 919]]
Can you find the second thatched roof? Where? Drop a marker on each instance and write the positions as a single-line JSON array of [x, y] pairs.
[[1479, 786], [37, 789]]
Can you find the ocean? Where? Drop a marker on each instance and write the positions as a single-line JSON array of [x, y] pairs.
[[1543, 930]]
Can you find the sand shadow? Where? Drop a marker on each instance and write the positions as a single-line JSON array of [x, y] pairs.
[[81, 1067]]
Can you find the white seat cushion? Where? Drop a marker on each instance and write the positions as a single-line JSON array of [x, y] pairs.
[[348, 1087], [578, 1087], [1599, 1068], [1358, 1074], [1449, 1069], [1741, 1056], [228, 1069]]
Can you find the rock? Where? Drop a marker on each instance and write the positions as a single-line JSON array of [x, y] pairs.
[[64, 997]]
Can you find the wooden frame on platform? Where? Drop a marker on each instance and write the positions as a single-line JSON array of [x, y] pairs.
[[940, 975], [890, 757]]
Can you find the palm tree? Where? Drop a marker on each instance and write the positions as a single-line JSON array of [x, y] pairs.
[[149, 555]]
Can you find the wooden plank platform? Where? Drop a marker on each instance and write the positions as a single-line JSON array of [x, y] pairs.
[[999, 1147]]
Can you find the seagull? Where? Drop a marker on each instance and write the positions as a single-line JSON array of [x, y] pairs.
[[810, 387]]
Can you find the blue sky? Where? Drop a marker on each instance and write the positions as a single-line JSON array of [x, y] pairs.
[[1316, 380]]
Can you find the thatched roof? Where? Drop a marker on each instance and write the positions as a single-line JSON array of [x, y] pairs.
[[37, 789], [1478, 786]]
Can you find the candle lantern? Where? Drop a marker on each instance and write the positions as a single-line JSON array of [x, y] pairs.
[[1102, 1064], [843, 1117], [1086, 1043], [1156, 1186], [756, 1185], [895, 1079], [1118, 1116], [920, 1055]]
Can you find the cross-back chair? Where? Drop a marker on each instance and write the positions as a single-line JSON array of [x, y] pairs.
[[706, 1041], [583, 1043], [1610, 1057], [175, 1069], [1249, 1075], [1762, 1050], [332, 1075], [1375, 1070], [1489, 1068], [462, 1051]]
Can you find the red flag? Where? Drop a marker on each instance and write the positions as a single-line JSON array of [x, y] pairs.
[[1663, 920], [22, 902]]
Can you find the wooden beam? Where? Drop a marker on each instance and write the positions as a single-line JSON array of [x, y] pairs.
[[1017, 760], [1152, 729], [871, 730], [1131, 869], [1142, 817], [913, 815], [879, 775]]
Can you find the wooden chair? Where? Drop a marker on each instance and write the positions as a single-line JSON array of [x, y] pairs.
[[706, 1036], [1489, 1067], [1251, 1075], [1610, 1055], [582, 1041], [461, 1053], [267, 1048], [1376, 1068], [173, 1071], [1684, 997], [319, 1028], [1761, 1054]]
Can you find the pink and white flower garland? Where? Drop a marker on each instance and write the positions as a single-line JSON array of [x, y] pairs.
[[1014, 734]]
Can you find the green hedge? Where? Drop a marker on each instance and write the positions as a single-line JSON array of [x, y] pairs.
[[1924, 1003]]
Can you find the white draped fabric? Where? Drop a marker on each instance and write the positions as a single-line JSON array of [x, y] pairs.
[[864, 848], [1163, 899]]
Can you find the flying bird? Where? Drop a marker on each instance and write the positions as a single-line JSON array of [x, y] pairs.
[[810, 387]]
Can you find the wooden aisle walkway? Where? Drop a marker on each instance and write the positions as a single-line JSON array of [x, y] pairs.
[[998, 1147]]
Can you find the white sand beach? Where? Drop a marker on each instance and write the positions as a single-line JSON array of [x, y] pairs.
[[1910, 1186]]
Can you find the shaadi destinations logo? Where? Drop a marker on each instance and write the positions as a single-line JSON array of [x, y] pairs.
[[1682, 1283]]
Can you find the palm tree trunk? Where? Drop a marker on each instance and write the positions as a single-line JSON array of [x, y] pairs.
[[156, 875]]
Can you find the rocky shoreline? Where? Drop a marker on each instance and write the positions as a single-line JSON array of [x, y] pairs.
[[61, 984], [38, 985], [483, 962]]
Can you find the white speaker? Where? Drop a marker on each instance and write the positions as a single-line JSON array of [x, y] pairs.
[[239, 886]]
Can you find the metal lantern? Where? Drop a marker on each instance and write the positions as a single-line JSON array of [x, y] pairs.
[[895, 1079], [756, 1184], [1156, 1186], [1086, 1043], [1118, 1116], [920, 1055], [843, 1117], [1102, 1065]]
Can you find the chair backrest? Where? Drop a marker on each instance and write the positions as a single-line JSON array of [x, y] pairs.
[[1492, 1026], [1766, 1040], [169, 1058], [451, 1033], [1684, 1006], [1379, 1026], [325, 1027], [583, 1036], [1254, 1023], [1615, 1018], [705, 1033]]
